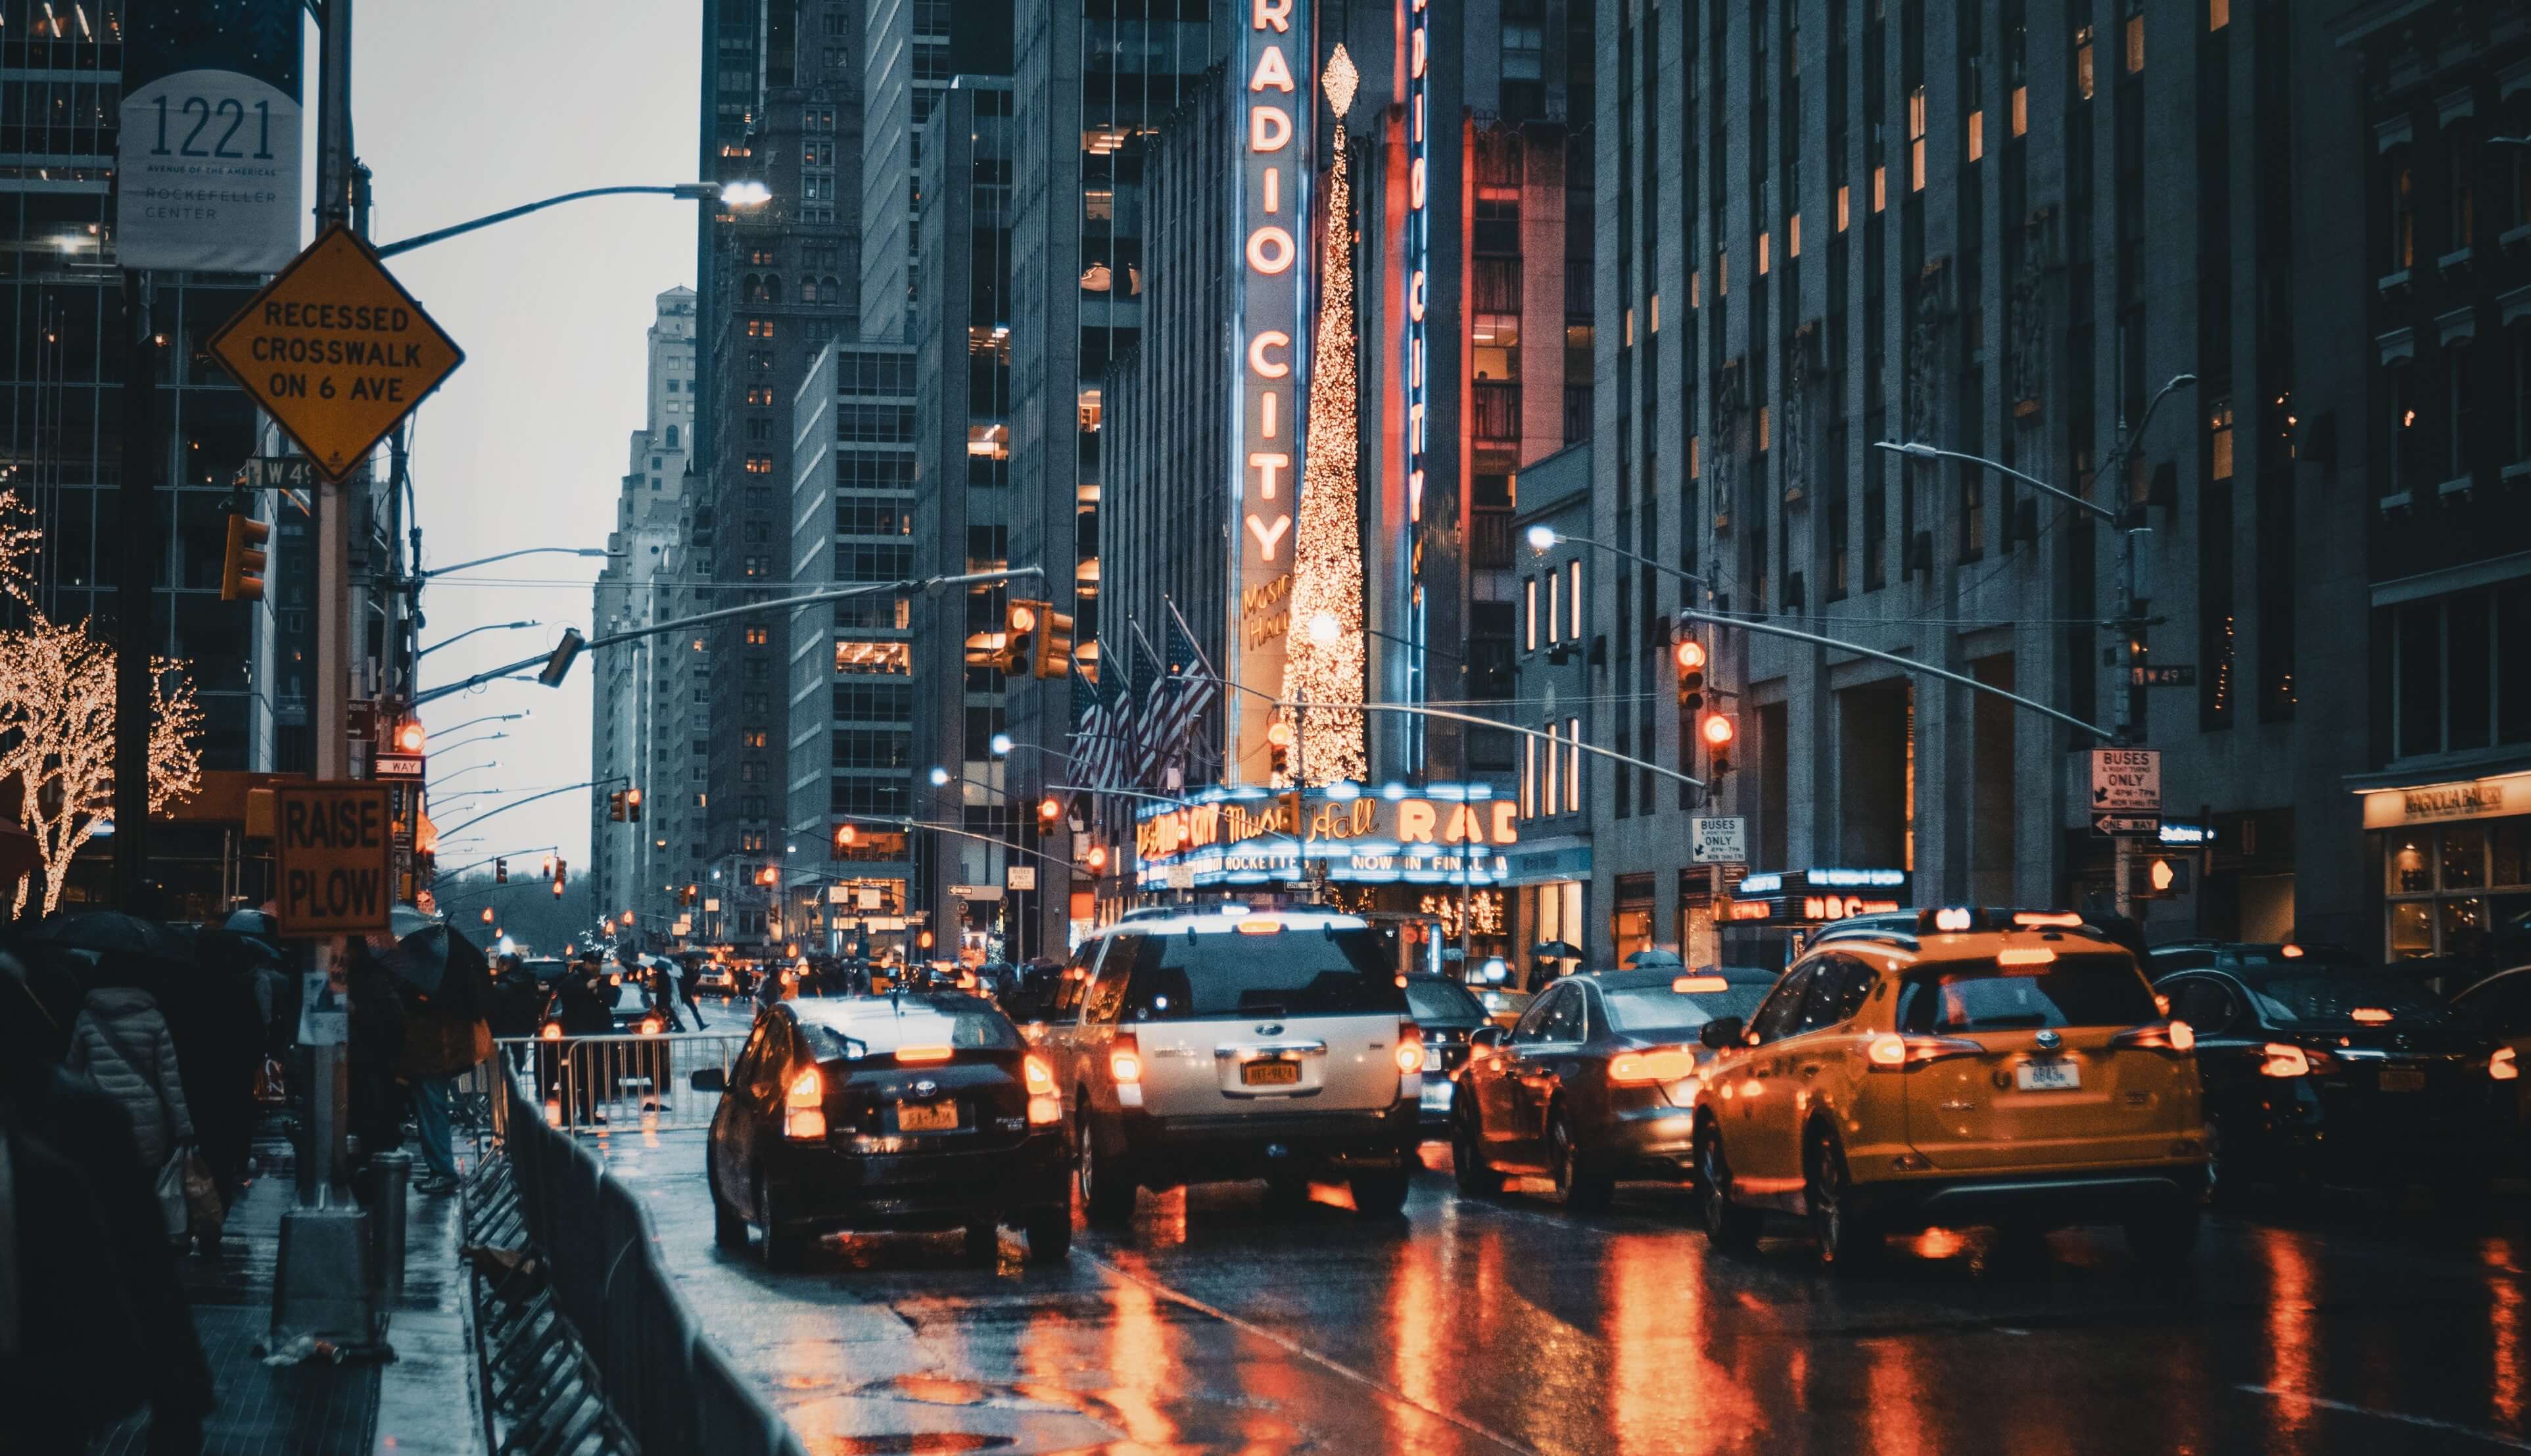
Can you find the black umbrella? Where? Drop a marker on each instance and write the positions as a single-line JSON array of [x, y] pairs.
[[1655, 955], [425, 958], [1555, 950], [109, 933]]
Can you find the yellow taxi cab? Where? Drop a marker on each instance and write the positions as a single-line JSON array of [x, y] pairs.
[[1984, 1067]]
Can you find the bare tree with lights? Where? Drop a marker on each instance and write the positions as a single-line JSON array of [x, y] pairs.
[[1323, 661]]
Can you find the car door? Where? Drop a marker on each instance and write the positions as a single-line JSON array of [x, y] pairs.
[[1060, 1040], [1103, 1000], [1540, 1063], [727, 1140], [1763, 1159], [1824, 1055], [1487, 1082]]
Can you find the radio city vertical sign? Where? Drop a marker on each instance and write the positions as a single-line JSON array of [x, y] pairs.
[[1274, 108], [1419, 390]]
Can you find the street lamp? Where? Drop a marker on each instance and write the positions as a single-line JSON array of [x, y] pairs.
[[488, 719], [596, 551], [734, 194], [939, 777], [467, 741], [470, 632]]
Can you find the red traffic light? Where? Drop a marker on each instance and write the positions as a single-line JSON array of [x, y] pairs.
[[1691, 655], [1098, 858], [1050, 808], [846, 836], [409, 735], [1719, 730]]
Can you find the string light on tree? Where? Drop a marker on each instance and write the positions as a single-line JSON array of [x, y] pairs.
[[1323, 659]]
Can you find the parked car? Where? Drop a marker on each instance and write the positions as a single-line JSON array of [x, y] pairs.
[[1974, 1070], [1594, 1082], [1204, 1046], [1503, 1005], [2500, 1007], [2338, 1072], [1448, 1015], [921, 1110]]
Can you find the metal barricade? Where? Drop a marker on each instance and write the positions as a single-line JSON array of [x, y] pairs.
[[668, 1385], [620, 1084]]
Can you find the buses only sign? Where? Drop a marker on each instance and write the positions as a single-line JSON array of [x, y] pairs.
[[336, 352], [335, 856]]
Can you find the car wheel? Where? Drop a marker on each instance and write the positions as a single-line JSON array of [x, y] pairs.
[[784, 1248], [1477, 1178], [1106, 1184], [1846, 1240], [2165, 1235], [1727, 1225], [1049, 1234], [1378, 1194], [729, 1230], [1580, 1183], [984, 1244]]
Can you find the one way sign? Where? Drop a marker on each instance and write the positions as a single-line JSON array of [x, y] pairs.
[[2127, 781]]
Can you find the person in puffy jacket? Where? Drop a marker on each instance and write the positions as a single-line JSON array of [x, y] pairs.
[[121, 1041]]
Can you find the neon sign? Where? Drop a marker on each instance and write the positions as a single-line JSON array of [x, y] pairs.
[[1417, 391]]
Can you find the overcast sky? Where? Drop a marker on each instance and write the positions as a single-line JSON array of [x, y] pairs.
[[463, 107]]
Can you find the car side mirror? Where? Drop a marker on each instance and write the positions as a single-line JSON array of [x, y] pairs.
[[1722, 1032], [709, 1079], [1488, 1036]]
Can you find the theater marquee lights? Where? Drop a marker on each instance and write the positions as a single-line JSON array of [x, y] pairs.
[[1417, 391], [1275, 103]]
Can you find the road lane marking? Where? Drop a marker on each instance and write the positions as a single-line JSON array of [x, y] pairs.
[[1293, 1347], [2427, 1423]]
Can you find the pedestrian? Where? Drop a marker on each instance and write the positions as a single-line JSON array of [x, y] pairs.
[[445, 1036], [376, 1095], [585, 1008], [688, 972], [99, 1322], [121, 1042], [663, 997]]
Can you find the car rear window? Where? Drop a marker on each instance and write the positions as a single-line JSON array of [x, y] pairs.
[[1653, 1008], [2333, 1000], [1291, 973], [2078, 989], [880, 1025], [1442, 1001]]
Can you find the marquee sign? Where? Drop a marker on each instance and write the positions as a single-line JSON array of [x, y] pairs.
[[1275, 106], [1418, 390], [1441, 836], [1816, 897]]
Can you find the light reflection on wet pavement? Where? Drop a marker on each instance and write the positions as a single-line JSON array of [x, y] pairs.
[[2341, 1322]]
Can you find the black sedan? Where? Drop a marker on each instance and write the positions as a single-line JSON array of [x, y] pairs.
[[917, 1112], [2327, 1071], [1592, 1084], [1448, 1015]]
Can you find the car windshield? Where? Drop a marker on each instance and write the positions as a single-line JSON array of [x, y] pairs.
[[2307, 958], [1654, 1008], [2095, 989], [1289, 972], [2336, 1000], [880, 1025], [1440, 1001]]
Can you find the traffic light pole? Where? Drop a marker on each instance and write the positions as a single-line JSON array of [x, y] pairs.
[[136, 616]]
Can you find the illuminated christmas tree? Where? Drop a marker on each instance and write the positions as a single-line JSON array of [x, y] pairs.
[[1324, 657]]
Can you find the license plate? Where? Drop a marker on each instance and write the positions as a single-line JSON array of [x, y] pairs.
[[926, 1117], [2402, 1079], [1272, 1074], [2048, 1076], [1436, 1097]]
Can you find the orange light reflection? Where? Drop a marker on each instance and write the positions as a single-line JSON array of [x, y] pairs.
[[2289, 1335], [2504, 1332]]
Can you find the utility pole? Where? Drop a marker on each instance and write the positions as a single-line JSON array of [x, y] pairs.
[[136, 615]]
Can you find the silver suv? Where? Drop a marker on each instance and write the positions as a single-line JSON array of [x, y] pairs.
[[1210, 1046]]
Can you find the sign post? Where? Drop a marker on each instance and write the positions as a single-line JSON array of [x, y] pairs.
[[1718, 841]]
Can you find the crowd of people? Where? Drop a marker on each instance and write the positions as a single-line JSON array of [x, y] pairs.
[[139, 1063]]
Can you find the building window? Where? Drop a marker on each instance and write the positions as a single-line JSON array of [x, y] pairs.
[[1573, 581], [1529, 613], [2135, 43], [1573, 764], [1977, 134], [2021, 111], [2083, 63], [1528, 777], [2403, 474], [2457, 412], [1794, 236], [2218, 14], [758, 636], [1554, 617], [1553, 778], [1842, 197], [2403, 212], [2460, 166]]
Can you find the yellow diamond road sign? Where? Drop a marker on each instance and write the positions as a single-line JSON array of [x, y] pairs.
[[336, 350]]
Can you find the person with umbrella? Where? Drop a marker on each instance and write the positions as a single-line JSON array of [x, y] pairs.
[[585, 1007], [442, 980]]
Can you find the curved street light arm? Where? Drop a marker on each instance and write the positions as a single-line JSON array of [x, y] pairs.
[[699, 191], [898, 822], [441, 571], [531, 798], [470, 632]]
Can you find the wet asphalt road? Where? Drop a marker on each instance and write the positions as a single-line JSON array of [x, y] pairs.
[[2330, 1322]]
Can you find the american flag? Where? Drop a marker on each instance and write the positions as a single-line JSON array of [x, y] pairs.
[[1089, 728], [1110, 748], [1187, 690]]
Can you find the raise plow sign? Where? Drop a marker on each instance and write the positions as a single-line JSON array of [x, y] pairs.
[[334, 855]]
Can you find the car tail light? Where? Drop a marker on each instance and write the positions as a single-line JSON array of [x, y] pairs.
[[1410, 1048], [1635, 1068], [2283, 1060], [651, 1025], [1125, 1060], [804, 1106], [552, 1031], [1891, 1053], [2371, 1016], [2503, 1066], [920, 1054], [2170, 1035], [1039, 1073]]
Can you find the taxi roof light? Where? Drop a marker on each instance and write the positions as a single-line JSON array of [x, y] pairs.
[[2024, 955], [1954, 918], [2066, 918]]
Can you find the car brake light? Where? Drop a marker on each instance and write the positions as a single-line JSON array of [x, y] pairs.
[[1261, 928], [552, 1031], [804, 1106], [2371, 1016], [917, 1054], [1689, 985], [2160, 1036], [2291, 952], [1410, 1048], [650, 1026], [2024, 955], [2503, 1066], [1039, 1073], [1125, 1060], [2282, 1059], [1635, 1068], [1891, 1053]]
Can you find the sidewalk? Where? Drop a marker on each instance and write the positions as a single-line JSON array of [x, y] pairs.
[[423, 1404]]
